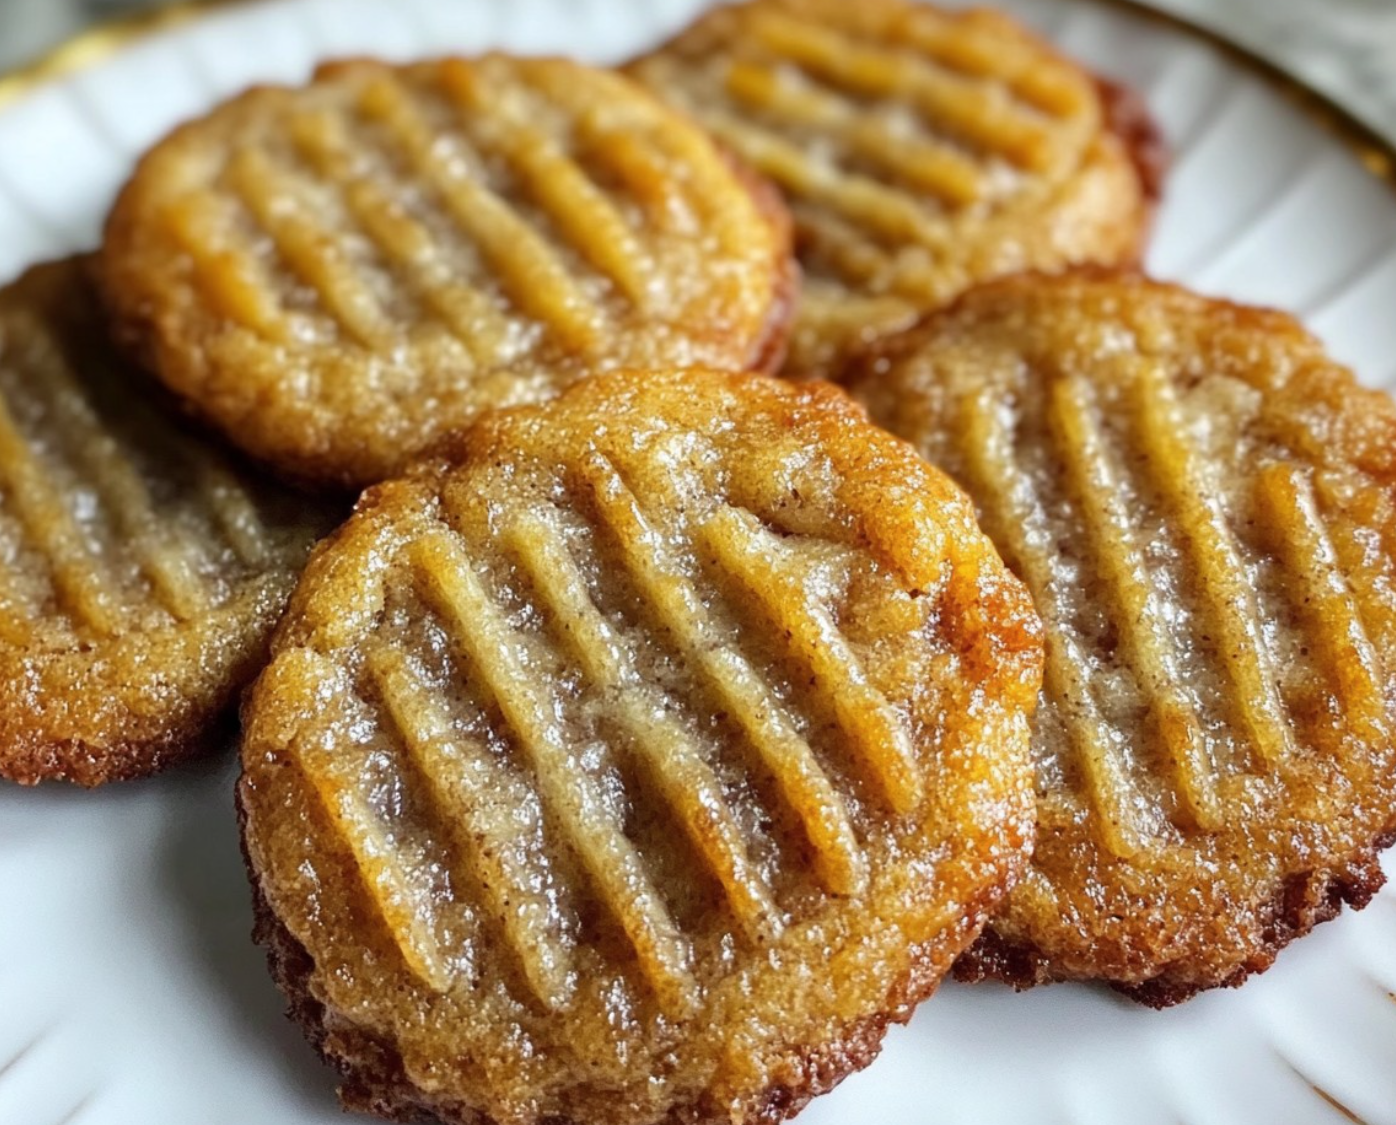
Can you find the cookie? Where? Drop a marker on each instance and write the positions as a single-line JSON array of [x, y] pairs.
[[921, 151], [1202, 503], [141, 571], [638, 760], [337, 274]]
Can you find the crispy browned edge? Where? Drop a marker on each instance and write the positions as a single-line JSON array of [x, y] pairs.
[[866, 361], [768, 353], [1128, 117], [28, 757], [1305, 900], [134, 332], [374, 1080]]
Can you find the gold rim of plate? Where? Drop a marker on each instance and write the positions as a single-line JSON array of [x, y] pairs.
[[99, 43], [1376, 152]]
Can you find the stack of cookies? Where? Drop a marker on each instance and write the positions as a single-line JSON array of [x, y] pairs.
[[663, 721]]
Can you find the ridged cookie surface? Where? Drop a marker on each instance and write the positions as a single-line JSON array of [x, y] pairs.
[[1204, 506], [921, 151], [337, 274], [141, 571], [642, 762]]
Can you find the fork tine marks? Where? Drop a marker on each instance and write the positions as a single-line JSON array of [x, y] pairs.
[[1010, 512], [889, 213], [641, 169], [401, 239], [465, 784], [1113, 535], [934, 168], [686, 780], [530, 271], [479, 627], [1230, 611], [1047, 84], [397, 894], [404, 907], [167, 554], [754, 555], [315, 253], [233, 509], [1309, 558], [766, 722], [80, 581], [578, 207], [964, 109], [642, 158], [226, 270]]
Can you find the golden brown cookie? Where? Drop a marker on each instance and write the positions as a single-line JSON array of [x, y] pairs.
[[1203, 505], [337, 274], [921, 151], [141, 571], [639, 762]]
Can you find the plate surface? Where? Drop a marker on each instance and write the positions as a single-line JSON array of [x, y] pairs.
[[129, 991]]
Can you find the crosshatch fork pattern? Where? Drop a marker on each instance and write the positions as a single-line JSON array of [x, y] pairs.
[[1183, 1069], [628, 727], [339, 273], [98, 540], [1202, 503], [518, 235], [1195, 775], [1240, 609], [549, 616], [919, 152]]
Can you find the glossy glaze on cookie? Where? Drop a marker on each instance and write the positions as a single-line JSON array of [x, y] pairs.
[[141, 569], [1202, 503], [644, 758], [337, 274], [921, 151]]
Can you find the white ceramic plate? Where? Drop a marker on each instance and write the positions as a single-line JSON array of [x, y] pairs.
[[129, 991]]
